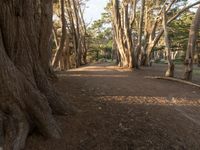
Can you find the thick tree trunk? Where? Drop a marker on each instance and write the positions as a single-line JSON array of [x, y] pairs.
[[27, 99], [123, 32], [191, 46]]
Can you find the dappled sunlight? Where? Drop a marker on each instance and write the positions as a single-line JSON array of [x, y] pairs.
[[98, 68], [101, 76], [150, 100]]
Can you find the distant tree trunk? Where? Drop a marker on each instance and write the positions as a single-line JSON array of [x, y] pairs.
[[170, 70], [146, 36], [83, 35], [123, 32], [127, 33], [76, 20], [60, 50], [198, 60], [139, 44], [154, 39], [118, 32], [191, 46], [27, 99]]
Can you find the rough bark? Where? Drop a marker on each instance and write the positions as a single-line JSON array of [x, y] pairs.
[[123, 32], [27, 99], [118, 32]]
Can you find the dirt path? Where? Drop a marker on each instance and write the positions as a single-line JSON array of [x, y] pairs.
[[121, 110]]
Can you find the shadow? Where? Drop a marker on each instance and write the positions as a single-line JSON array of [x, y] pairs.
[[125, 111]]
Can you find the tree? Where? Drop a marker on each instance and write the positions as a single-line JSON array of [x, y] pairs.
[[170, 70], [72, 41], [60, 50], [122, 31], [27, 98], [191, 46], [153, 37]]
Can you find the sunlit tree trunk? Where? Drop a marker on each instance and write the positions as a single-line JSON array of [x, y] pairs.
[[170, 69], [60, 50], [139, 44], [122, 26], [154, 39], [191, 46], [118, 29]]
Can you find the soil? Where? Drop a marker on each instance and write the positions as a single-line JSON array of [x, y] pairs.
[[120, 109]]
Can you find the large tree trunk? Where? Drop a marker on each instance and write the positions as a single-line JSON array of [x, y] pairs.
[[123, 32], [27, 99], [191, 46]]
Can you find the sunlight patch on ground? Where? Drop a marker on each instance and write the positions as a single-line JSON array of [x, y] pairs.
[[145, 100], [100, 68], [87, 75]]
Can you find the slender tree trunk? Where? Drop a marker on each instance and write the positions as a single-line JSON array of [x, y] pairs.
[[170, 70], [60, 50], [77, 32], [155, 39], [139, 44], [127, 33], [191, 46]]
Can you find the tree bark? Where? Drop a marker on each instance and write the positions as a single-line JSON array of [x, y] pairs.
[[191, 46], [170, 70], [153, 41], [139, 44], [27, 99], [60, 50]]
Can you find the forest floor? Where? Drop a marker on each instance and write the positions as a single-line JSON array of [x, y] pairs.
[[120, 109]]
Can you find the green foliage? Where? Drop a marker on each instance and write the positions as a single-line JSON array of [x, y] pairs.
[[100, 35], [179, 31]]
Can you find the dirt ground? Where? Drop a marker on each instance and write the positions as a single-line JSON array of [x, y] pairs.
[[122, 110]]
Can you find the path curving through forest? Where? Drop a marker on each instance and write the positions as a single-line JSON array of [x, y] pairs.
[[120, 109]]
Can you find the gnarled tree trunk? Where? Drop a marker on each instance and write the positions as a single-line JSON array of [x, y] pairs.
[[27, 99]]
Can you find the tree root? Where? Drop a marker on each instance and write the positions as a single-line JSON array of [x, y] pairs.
[[16, 127], [1, 130], [57, 103], [23, 105], [174, 79]]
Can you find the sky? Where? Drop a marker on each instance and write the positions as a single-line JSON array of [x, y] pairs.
[[94, 8]]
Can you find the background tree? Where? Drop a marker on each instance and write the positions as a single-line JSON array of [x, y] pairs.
[[73, 51], [194, 30]]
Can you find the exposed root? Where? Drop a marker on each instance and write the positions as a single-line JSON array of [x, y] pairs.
[[16, 128], [57, 103], [1, 130], [174, 79]]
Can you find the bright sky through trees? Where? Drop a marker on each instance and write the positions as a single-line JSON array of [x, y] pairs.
[[94, 9]]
